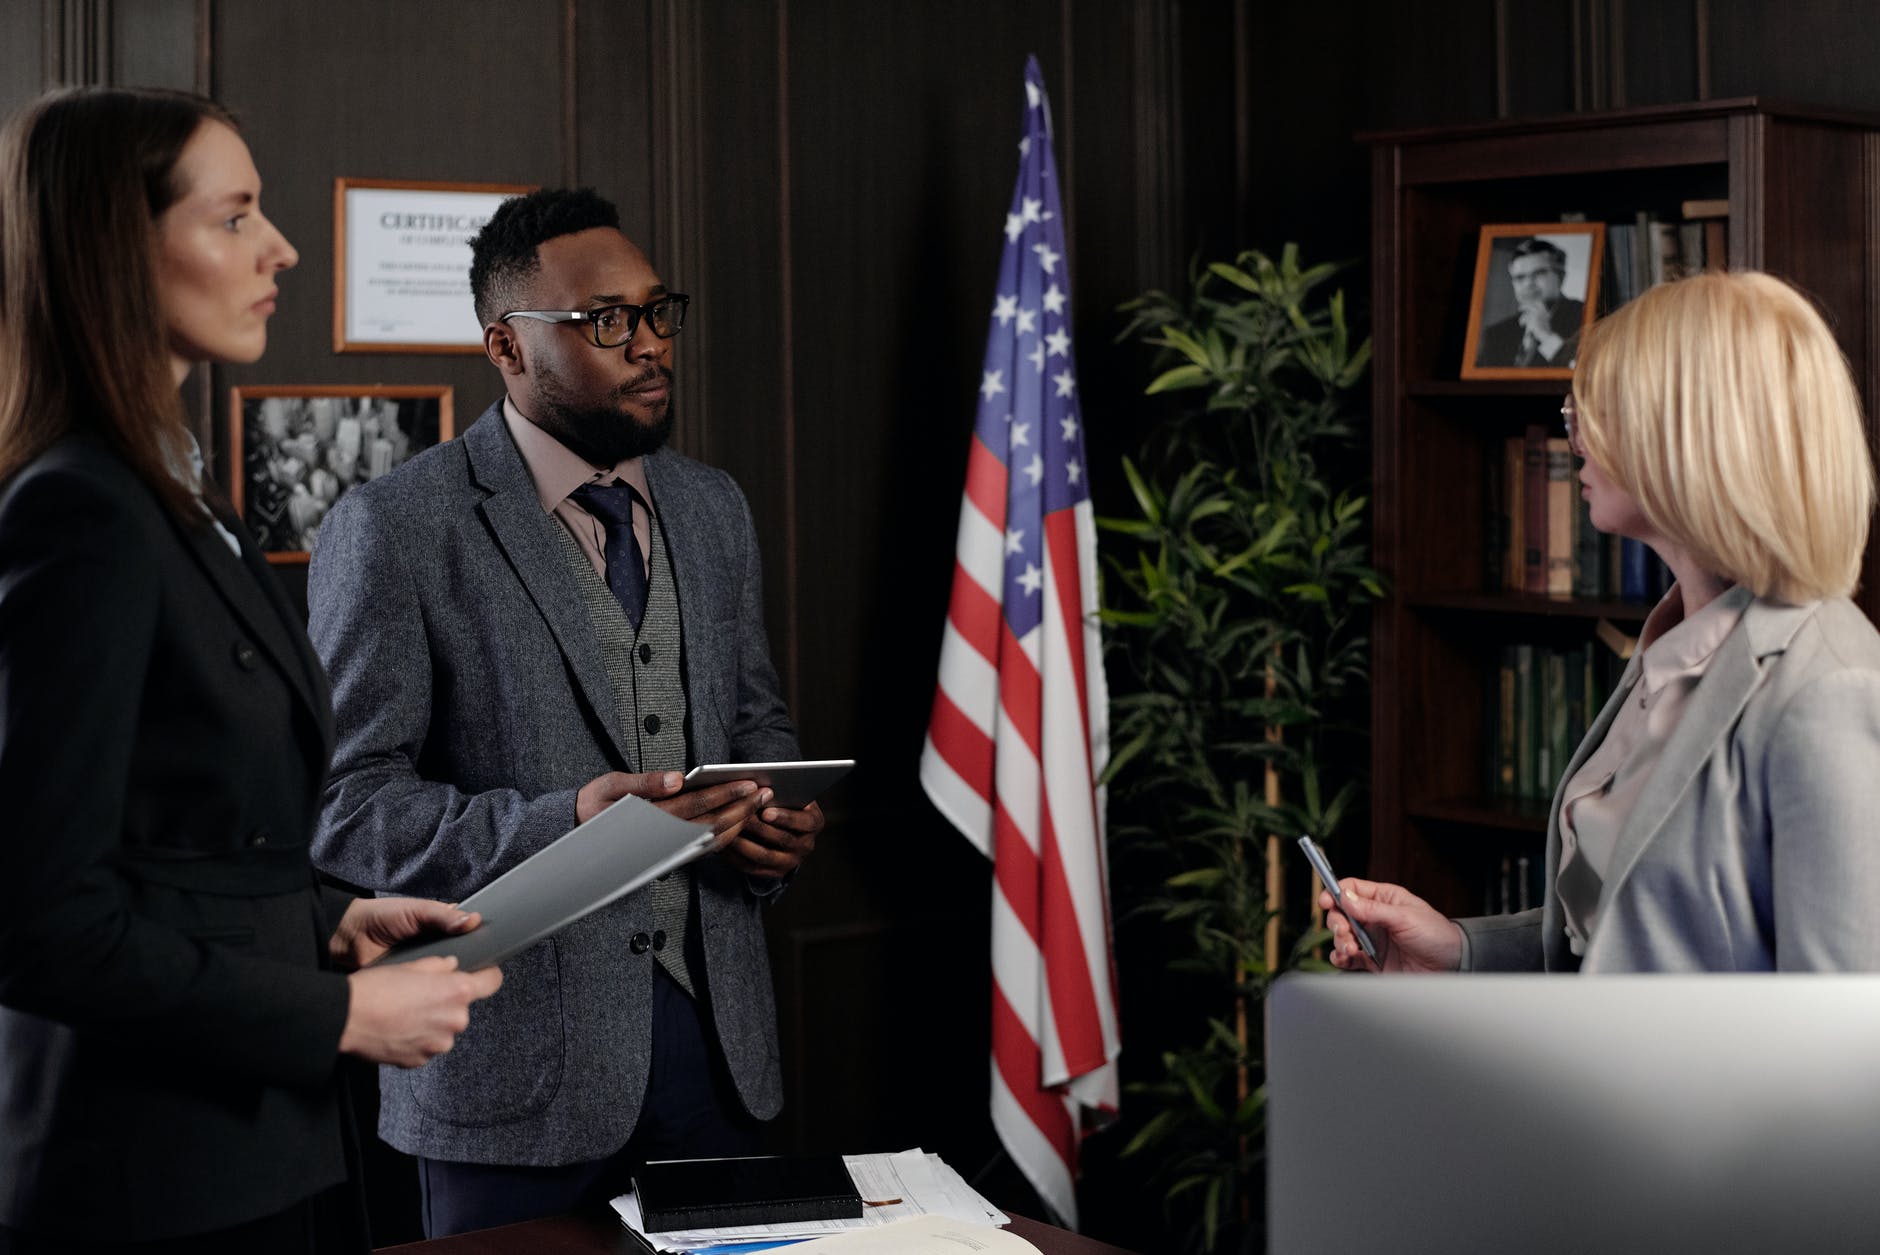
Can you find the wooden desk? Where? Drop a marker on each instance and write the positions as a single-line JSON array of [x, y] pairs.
[[603, 1234]]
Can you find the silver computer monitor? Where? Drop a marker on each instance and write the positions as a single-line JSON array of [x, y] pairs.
[[1659, 1114]]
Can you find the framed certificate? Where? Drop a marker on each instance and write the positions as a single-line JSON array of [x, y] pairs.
[[401, 264]]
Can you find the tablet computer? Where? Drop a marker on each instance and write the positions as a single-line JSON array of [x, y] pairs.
[[794, 784]]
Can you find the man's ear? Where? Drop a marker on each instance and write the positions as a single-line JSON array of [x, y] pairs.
[[503, 349]]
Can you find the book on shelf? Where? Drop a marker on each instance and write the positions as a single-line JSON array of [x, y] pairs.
[[1562, 494], [1544, 699], [1534, 506]]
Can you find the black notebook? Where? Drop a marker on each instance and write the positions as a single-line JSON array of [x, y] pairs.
[[719, 1193]]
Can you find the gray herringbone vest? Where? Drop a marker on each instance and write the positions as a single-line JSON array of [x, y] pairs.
[[649, 693]]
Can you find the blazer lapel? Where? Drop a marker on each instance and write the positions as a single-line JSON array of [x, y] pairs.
[[526, 535], [1718, 699], [253, 596], [697, 564]]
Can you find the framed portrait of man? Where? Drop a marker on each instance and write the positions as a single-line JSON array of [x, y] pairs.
[[1536, 289], [295, 449]]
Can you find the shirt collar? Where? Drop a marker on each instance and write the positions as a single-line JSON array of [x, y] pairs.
[[1683, 646], [557, 470]]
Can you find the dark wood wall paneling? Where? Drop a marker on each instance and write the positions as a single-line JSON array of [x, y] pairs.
[[828, 180]]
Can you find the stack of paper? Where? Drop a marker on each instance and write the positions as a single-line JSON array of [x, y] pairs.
[[918, 1184]]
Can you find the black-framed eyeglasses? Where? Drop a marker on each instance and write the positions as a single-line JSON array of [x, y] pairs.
[[611, 326]]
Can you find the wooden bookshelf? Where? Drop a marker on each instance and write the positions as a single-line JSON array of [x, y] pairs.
[[1802, 189]]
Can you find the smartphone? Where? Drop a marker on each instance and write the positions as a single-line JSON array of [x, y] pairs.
[[1323, 866]]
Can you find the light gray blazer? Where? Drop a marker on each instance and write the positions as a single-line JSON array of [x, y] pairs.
[[1755, 845], [471, 704]]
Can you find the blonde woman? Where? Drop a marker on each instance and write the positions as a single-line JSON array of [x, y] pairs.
[[1723, 812]]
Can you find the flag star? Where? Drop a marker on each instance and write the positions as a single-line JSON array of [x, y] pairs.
[[1015, 540], [1033, 94], [993, 384], [1021, 433], [1034, 470], [1036, 358], [1014, 227], [1005, 310], [1065, 383], [1024, 147], [1027, 321], [1073, 470], [1069, 423], [1046, 257], [1033, 579], [1059, 342], [1053, 300], [1029, 209]]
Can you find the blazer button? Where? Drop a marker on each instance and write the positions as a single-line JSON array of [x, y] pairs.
[[659, 939], [646, 653], [651, 724], [640, 943], [244, 655], [258, 837]]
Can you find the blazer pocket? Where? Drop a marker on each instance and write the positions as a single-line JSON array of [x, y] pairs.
[[507, 1065]]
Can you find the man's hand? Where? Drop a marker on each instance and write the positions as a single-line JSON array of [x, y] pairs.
[[775, 843], [726, 807], [1539, 328], [371, 926]]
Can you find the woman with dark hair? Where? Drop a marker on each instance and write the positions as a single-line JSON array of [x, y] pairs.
[[176, 987]]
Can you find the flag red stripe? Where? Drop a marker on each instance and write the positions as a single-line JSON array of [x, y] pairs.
[[1018, 1059], [1073, 995], [964, 747], [1021, 691], [1060, 537], [975, 615], [1015, 867], [985, 482]]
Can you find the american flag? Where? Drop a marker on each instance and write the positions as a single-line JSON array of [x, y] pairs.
[[1020, 726]]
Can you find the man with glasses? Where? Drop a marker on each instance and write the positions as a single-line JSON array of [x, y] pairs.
[[1545, 327], [522, 626]]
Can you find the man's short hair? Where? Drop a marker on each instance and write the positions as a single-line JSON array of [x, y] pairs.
[[1534, 246], [503, 254]]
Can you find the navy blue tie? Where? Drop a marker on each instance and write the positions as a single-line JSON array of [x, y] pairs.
[[612, 504]]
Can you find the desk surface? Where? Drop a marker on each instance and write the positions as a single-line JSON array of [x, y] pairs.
[[603, 1234]]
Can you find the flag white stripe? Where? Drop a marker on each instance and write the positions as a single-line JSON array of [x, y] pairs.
[[1035, 1156], [968, 680], [1016, 969], [981, 549], [956, 799]]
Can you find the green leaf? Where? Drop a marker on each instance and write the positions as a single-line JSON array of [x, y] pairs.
[[1190, 376]]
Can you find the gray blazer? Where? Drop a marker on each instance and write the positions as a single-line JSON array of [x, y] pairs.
[[471, 704], [1753, 846]]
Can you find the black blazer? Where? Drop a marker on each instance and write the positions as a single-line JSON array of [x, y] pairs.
[[168, 1028]]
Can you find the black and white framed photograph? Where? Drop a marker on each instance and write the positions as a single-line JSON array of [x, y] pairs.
[[295, 449], [1536, 289]]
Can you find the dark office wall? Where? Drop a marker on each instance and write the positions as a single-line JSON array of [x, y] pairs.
[[828, 178]]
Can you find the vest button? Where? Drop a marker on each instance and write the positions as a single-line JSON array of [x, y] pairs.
[[639, 943], [244, 655], [646, 653], [651, 724], [659, 939]]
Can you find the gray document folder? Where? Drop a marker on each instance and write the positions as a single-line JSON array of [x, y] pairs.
[[627, 845]]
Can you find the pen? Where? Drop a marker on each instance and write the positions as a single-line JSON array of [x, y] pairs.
[[1327, 877]]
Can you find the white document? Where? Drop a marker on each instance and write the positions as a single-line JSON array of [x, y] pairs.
[[627, 845], [923, 1235], [924, 1185]]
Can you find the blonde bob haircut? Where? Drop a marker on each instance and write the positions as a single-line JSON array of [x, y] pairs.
[[1723, 406]]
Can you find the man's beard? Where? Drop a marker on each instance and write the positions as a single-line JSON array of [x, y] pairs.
[[601, 434]]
